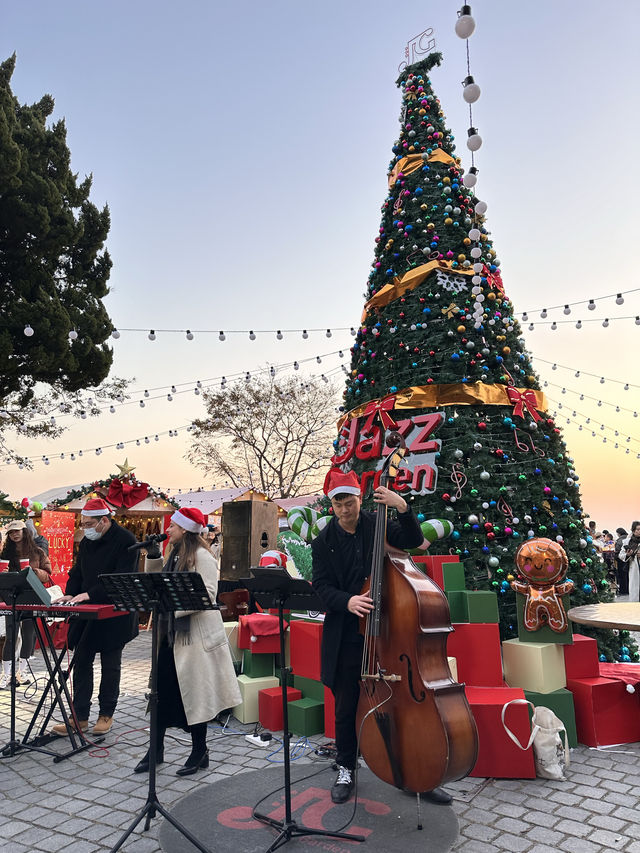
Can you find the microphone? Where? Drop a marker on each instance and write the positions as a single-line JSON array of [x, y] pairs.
[[147, 543]]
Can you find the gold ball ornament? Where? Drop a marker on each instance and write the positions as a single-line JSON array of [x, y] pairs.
[[506, 350], [467, 241], [491, 296], [430, 225], [446, 180], [462, 329], [461, 258], [448, 221]]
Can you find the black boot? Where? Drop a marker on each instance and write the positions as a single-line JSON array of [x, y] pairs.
[[194, 763], [143, 765]]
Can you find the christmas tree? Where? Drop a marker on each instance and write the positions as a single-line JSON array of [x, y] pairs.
[[440, 356]]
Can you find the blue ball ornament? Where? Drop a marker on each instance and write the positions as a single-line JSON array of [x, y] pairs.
[[421, 516], [455, 357], [586, 587], [602, 658], [455, 534], [393, 389]]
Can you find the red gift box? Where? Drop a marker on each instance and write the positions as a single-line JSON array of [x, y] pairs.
[[270, 706], [581, 658], [432, 565], [329, 714], [606, 712], [305, 641], [498, 756], [264, 628], [476, 648]]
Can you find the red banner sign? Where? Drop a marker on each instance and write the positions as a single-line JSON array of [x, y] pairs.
[[58, 528]]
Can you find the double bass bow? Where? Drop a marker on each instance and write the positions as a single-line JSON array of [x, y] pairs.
[[416, 730]]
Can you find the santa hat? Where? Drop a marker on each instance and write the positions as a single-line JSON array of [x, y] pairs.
[[95, 507], [189, 518], [274, 558], [338, 483]]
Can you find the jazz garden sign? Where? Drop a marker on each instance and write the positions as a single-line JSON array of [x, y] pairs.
[[359, 439]]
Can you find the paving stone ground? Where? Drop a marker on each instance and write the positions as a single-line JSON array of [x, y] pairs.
[[82, 804]]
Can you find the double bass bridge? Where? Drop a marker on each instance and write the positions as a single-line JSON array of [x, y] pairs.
[[380, 676]]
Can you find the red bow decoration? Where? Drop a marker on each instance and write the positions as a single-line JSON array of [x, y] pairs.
[[520, 399], [126, 495], [382, 408], [494, 279]]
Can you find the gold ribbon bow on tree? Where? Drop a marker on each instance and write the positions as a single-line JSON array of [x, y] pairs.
[[382, 408], [521, 399]]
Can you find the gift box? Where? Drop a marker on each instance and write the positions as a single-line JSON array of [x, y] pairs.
[[329, 714], [309, 687], [445, 570], [561, 703], [248, 710], [606, 712], [453, 668], [305, 640], [581, 659], [259, 632], [270, 706], [306, 717], [231, 630], [533, 666], [468, 605], [257, 665], [476, 648], [498, 756]]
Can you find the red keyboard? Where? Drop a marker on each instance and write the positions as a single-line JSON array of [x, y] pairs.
[[87, 611]]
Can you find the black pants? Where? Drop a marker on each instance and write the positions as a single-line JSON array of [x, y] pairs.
[[110, 665], [28, 630], [346, 691]]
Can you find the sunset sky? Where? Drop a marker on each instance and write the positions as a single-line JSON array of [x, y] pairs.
[[242, 150]]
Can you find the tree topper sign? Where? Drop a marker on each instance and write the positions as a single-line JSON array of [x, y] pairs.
[[417, 47]]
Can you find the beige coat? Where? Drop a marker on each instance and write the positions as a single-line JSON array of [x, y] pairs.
[[206, 676]]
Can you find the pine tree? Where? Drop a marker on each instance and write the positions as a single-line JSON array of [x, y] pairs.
[[440, 354]]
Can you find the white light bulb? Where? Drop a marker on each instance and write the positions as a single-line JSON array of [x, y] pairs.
[[189, 335], [480, 207], [619, 299], [279, 335], [471, 91], [465, 25], [115, 334], [28, 331], [252, 335], [474, 234], [152, 335], [474, 140], [305, 334], [73, 335], [222, 336]]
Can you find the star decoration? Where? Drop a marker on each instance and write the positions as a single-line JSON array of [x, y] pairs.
[[125, 470]]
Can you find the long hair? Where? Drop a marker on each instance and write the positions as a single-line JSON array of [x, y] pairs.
[[186, 550], [25, 549]]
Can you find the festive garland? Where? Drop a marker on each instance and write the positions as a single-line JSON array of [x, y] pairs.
[[102, 487]]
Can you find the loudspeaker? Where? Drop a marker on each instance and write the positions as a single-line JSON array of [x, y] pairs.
[[248, 529]]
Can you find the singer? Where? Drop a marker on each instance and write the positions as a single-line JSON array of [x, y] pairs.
[[104, 549]]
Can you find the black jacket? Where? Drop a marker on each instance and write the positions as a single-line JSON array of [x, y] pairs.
[[328, 578], [107, 555]]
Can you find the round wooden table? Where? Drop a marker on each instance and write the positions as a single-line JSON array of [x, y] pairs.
[[624, 615]]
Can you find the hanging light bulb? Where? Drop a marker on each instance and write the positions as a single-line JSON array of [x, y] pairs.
[[471, 91], [152, 335], [465, 25], [279, 335], [554, 326], [115, 334], [619, 299], [189, 335], [222, 336], [592, 305], [252, 335], [142, 404], [223, 382], [146, 393], [579, 324], [112, 409], [480, 208], [352, 331], [73, 335], [602, 380], [318, 359], [305, 334], [328, 333], [340, 354], [296, 366], [471, 178], [531, 327], [543, 314], [637, 321], [605, 322], [567, 310], [474, 140], [28, 331]]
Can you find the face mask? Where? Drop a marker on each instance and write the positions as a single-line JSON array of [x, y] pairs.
[[92, 534]]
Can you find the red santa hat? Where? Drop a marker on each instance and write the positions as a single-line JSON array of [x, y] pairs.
[[96, 507], [274, 558], [189, 518], [337, 483]]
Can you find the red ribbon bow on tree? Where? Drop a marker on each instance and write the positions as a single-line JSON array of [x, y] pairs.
[[520, 399], [382, 408], [124, 494]]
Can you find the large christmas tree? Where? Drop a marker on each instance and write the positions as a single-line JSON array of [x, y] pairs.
[[440, 355]]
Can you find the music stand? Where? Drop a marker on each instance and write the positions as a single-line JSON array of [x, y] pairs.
[[24, 588], [273, 586], [159, 593]]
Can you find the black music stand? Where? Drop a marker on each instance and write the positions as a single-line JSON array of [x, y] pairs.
[[159, 593], [273, 586], [23, 588]]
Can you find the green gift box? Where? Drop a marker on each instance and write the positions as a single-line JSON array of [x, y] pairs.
[[257, 665], [306, 717]]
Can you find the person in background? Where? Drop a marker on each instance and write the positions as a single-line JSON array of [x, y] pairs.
[[20, 545], [608, 555], [196, 677], [630, 554], [38, 538], [212, 539], [104, 549], [622, 570]]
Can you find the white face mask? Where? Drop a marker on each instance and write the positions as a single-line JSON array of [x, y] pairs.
[[92, 533]]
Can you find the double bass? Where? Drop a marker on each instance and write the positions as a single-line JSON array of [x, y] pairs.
[[415, 727]]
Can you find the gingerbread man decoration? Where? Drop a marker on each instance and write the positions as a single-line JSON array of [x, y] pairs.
[[543, 563]]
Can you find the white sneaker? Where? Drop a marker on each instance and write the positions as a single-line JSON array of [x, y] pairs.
[[23, 678], [4, 681]]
